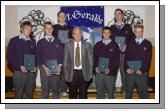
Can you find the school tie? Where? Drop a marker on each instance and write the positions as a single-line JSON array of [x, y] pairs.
[[50, 39], [138, 43], [77, 56], [119, 26]]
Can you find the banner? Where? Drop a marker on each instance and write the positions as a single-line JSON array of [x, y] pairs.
[[86, 16]]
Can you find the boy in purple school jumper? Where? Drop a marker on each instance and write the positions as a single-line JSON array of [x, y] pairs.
[[23, 79], [138, 50], [49, 48], [123, 30], [62, 25], [106, 48]]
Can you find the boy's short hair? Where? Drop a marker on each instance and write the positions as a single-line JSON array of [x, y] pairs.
[[139, 26], [25, 23], [48, 23], [106, 28], [60, 12], [118, 9], [76, 28]]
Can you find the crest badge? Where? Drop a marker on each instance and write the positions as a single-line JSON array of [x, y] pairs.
[[111, 50], [57, 46], [145, 48], [126, 32], [32, 46]]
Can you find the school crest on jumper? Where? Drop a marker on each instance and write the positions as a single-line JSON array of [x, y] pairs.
[[57, 46], [32, 46], [145, 48], [111, 50], [126, 32]]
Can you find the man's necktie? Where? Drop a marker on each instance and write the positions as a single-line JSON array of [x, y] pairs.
[[77, 56]]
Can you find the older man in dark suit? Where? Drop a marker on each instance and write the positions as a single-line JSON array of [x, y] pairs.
[[78, 65]]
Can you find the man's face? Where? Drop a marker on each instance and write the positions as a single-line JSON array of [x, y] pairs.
[[106, 34], [62, 17], [138, 32], [48, 29], [118, 15], [26, 30], [77, 35]]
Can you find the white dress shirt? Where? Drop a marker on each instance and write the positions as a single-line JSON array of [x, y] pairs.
[[106, 42], [75, 46], [47, 38], [120, 24], [62, 24], [21, 36], [139, 39]]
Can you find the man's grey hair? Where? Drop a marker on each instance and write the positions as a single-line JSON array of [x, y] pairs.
[[76, 28]]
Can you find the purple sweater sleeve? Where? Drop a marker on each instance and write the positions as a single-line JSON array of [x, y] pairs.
[[60, 51], [34, 42], [115, 62], [126, 57], [10, 54], [39, 53], [147, 60], [131, 35]]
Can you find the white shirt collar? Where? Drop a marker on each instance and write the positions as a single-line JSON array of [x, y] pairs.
[[21, 36], [62, 24], [77, 43], [106, 42], [121, 24], [47, 38], [139, 39]]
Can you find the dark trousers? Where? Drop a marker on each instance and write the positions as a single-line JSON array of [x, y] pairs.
[[103, 83], [49, 83], [141, 82], [23, 82], [78, 82], [122, 72]]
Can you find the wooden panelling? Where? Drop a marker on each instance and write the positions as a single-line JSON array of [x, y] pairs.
[[152, 67]]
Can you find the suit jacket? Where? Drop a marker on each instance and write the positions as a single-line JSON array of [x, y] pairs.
[[87, 60]]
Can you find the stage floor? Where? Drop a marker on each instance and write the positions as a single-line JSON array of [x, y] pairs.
[[91, 95]]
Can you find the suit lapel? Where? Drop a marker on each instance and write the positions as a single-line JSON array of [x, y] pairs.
[[72, 51]]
